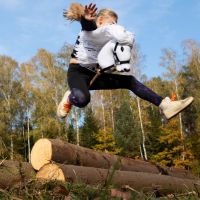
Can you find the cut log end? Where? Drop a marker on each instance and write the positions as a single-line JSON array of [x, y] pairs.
[[41, 153], [51, 172]]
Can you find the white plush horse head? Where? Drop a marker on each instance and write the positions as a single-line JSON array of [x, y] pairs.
[[115, 54]]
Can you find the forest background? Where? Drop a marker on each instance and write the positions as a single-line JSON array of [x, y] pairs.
[[116, 121]]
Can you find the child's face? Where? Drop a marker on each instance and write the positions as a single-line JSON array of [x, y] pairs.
[[108, 20]]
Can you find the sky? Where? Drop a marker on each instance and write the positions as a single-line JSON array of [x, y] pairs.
[[28, 25]]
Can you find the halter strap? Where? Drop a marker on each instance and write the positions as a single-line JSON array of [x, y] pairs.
[[117, 61]]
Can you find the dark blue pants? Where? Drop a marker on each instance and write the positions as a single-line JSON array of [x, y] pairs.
[[79, 83]]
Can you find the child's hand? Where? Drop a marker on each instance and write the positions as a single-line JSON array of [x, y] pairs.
[[90, 12]]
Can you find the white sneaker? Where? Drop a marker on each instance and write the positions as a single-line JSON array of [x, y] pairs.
[[171, 108], [64, 106]]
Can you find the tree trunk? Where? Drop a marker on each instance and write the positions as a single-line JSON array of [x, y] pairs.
[[181, 124], [112, 113], [137, 180], [28, 136], [103, 112], [77, 128], [11, 147], [46, 150], [24, 139], [14, 173], [143, 148]]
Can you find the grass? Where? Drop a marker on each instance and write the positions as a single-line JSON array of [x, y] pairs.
[[55, 190]]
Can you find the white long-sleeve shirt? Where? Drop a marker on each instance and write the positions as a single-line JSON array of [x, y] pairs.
[[89, 43]]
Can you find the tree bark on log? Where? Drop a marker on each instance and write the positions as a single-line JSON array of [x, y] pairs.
[[46, 150], [15, 173], [136, 180]]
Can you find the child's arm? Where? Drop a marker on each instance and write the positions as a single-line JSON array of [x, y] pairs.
[[113, 32], [88, 25], [119, 34], [84, 14], [88, 19]]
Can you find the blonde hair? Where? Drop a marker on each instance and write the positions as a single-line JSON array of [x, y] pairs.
[[77, 10], [74, 12], [107, 12]]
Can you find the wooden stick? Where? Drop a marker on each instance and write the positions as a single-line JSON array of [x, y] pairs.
[[96, 76]]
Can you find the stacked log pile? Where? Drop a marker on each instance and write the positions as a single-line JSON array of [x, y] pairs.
[[15, 173], [59, 160]]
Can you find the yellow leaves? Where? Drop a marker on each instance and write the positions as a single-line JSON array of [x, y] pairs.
[[163, 158], [106, 142], [175, 152], [167, 139], [45, 58]]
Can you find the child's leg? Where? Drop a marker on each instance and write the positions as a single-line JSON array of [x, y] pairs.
[[115, 81], [78, 80]]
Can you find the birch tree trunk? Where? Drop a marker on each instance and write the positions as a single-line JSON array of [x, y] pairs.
[[143, 148], [11, 136], [172, 66], [28, 136], [103, 112], [112, 113], [9, 73], [24, 140], [11, 147], [180, 122]]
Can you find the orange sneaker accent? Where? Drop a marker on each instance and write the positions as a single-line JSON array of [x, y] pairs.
[[173, 96], [67, 107]]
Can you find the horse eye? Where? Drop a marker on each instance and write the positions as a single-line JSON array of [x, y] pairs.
[[122, 49]]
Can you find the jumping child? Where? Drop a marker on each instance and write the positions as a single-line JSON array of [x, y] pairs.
[[98, 30]]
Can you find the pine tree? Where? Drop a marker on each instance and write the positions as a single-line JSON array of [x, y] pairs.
[[105, 142], [71, 134], [125, 132], [89, 129], [154, 119]]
